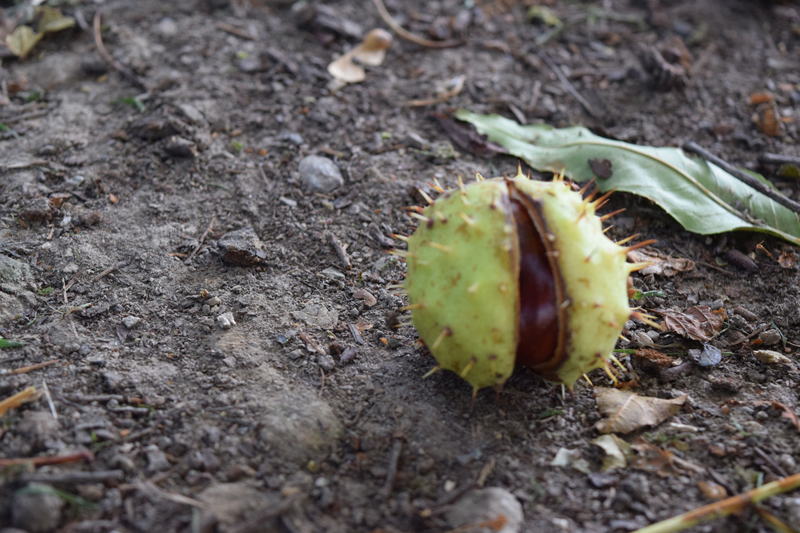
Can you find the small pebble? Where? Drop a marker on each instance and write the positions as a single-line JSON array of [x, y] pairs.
[[487, 504], [225, 320], [131, 321], [770, 337], [37, 510], [319, 174], [242, 248], [326, 362]]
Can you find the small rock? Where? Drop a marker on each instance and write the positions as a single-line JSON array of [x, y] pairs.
[[177, 146], [771, 357], [194, 115], [317, 315], [770, 337], [332, 273], [787, 462], [226, 321], [36, 509], [294, 138], [326, 362], [319, 174], [486, 504], [131, 321], [366, 296], [92, 65], [152, 129], [167, 27], [242, 248], [156, 460], [112, 380], [297, 354]]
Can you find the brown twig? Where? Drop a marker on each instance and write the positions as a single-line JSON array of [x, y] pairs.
[[74, 279], [394, 459], [108, 271], [48, 460], [407, 35], [200, 242], [569, 87], [26, 369], [778, 159], [338, 249], [239, 32], [742, 176], [127, 73]]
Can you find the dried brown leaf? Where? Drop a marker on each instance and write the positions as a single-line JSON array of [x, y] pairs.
[[699, 323], [468, 139], [712, 490], [661, 264], [22, 41], [370, 52], [651, 458], [626, 411]]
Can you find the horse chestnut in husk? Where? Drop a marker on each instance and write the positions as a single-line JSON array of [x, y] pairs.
[[507, 272]]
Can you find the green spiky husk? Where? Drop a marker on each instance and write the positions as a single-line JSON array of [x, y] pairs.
[[463, 280]]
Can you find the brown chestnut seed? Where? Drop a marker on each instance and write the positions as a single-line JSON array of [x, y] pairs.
[[507, 272]]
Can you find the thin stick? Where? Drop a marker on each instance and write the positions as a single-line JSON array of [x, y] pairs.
[[26, 369], [742, 176], [767, 158], [726, 507], [239, 32], [48, 460], [74, 279], [340, 250], [56, 478], [127, 73], [407, 35], [49, 399], [394, 459], [200, 242], [109, 270], [569, 87]]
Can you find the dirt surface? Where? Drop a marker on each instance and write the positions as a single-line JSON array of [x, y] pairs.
[[301, 409]]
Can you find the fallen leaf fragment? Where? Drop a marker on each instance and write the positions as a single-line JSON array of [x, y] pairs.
[[771, 357], [660, 264], [699, 323], [52, 20], [617, 451], [467, 139], [22, 41], [370, 52], [15, 400], [651, 458], [626, 411]]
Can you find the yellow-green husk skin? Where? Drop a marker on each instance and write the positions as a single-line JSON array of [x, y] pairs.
[[463, 280]]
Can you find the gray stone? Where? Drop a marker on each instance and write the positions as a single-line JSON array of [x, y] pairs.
[[486, 504], [14, 272], [131, 321], [226, 321], [333, 273], [298, 427], [156, 460], [177, 146], [319, 174], [317, 315], [194, 115], [36, 509], [231, 503], [326, 362], [10, 307], [770, 337], [242, 248]]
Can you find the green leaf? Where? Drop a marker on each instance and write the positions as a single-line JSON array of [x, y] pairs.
[[4, 343], [702, 197]]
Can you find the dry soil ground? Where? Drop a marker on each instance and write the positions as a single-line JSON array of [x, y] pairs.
[[254, 425]]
